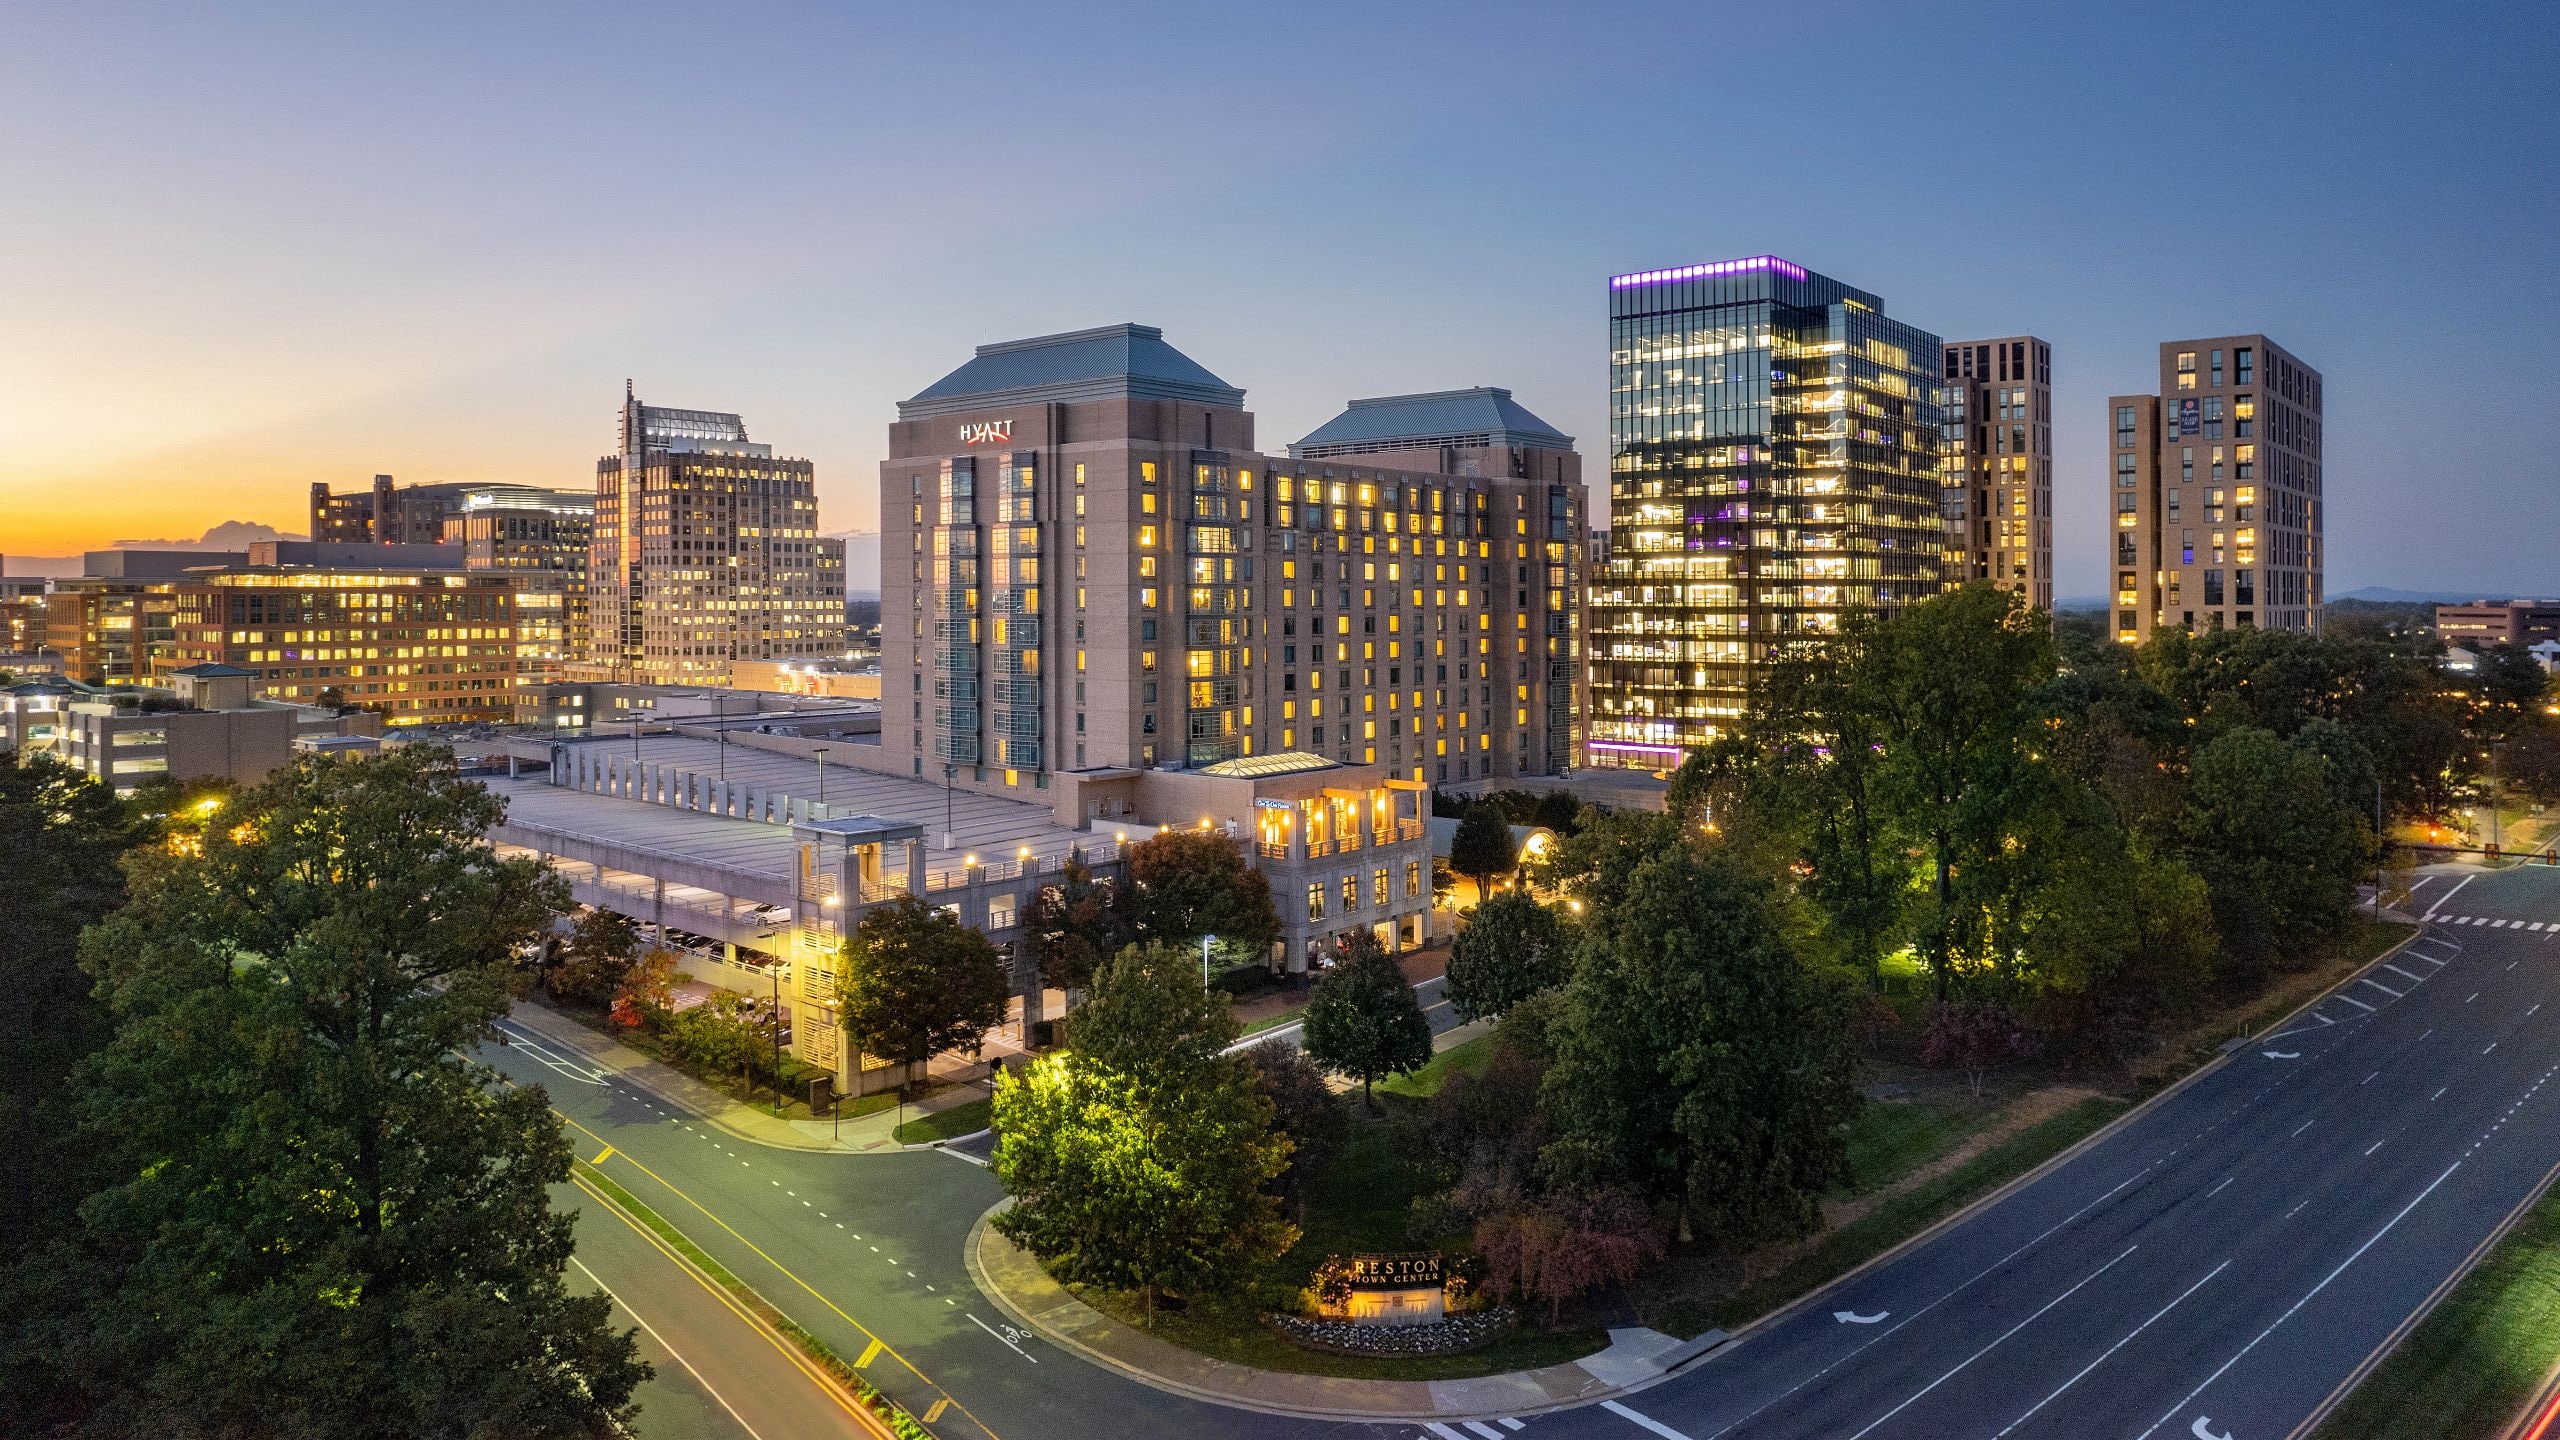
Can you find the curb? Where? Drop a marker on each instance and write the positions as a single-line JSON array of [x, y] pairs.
[[1005, 1302], [2051, 1163]]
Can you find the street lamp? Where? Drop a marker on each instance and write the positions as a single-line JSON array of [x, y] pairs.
[[948, 771], [822, 774]]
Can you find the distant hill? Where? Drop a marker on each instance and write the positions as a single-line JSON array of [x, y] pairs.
[[2384, 595], [229, 535]]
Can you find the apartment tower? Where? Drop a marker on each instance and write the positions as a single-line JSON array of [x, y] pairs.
[[1995, 470], [705, 552], [2216, 485], [1773, 467]]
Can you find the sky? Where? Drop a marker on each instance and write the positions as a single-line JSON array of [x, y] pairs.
[[248, 247]]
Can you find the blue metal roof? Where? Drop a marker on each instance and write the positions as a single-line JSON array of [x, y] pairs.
[[1113, 361], [1485, 415]]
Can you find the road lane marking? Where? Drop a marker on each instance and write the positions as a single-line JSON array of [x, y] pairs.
[[786, 1272], [2296, 1210], [600, 1159], [870, 1353], [2367, 1080], [2449, 894], [2218, 1189], [1481, 1428], [2307, 1124], [1444, 1432], [2474, 995], [2110, 1350], [1510, 1424], [2492, 1046], [2376, 1145], [2403, 974], [1004, 1339], [938, 1407], [2305, 1300], [2378, 985], [1987, 1349], [707, 1387], [2439, 1092], [1636, 1417], [2350, 999]]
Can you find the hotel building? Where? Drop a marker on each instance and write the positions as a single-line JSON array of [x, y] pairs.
[[1088, 567], [2216, 485], [1773, 466], [1995, 469], [705, 551]]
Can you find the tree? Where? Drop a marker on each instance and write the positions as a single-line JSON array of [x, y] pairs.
[[1363, 1022], [1513, 948], [62, 834], [723, 1035], [1567, 1245], [1481, 849], [596, 959], [918, 982], [1697, 1058], [1558, 811], [2277, 851], [648, 988], [1303, 1108], [1188, 883], [330, 1220], [1151, 1020], [1974, 1036], [1114, 1186], [1073, 927]]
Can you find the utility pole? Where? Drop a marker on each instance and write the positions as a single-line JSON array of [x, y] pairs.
[[777, 1042]]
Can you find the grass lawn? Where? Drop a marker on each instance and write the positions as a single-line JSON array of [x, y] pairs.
[[1892, 1138], [1469, 1058], [2472, 1364], [1273, 1022], [967, 1118]]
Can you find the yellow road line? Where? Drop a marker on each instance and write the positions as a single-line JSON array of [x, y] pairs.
[[870, 1353], [788, 1351], [607, 1155], [787, 1273], [936, 1412]]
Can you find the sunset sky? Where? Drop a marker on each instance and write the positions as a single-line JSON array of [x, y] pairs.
[[252, 246]]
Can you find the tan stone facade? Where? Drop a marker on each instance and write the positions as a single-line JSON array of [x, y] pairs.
[[2214, 485]]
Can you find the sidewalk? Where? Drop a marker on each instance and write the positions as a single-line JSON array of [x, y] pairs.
[[1421, 966], [868, 1133], [1014, 1280]]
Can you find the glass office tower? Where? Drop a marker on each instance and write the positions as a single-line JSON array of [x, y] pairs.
[[1773, 467]]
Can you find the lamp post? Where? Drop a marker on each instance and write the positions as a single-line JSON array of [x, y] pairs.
[[822, 774], [948, 771], [835, 1104], [777, 1042], [1205, 942]]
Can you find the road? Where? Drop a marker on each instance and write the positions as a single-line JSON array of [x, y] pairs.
[[2216, 1267], [721, 1373], [2221, 1264]]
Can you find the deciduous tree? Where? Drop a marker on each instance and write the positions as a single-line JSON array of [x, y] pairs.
[[1152, 1020], [2278, 853], [1363, 1021], [918, 982], [329, 1220], [1074, 926], [1512, 948], [1184, 884], [1481, 848], [595, 959]]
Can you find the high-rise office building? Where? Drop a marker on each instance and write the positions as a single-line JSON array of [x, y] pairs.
[[1773, 467], [2216, 492], [1996, 468], [541, 539], [1087, 567], [705, 552]]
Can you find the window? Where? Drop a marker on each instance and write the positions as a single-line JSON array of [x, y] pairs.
[[1315, 899], [2124, 427], [1412, 879], [1380, 890], [2243, 372], [1350, 893], [2186, 369]]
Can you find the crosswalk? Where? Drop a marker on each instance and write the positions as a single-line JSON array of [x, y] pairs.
[[1473, 1429], [2489, 923]]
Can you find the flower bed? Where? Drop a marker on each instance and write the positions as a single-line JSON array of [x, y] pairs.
[[1452, 1336]]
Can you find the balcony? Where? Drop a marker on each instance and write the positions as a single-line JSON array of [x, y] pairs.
[[956, 662]]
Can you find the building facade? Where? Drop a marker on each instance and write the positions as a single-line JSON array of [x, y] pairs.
[[705, 551], [112, 624], [540, 539], [2216, 488], [1995, 468], [2499, 622], [1088, 567], [1773, 467], [420, 646]]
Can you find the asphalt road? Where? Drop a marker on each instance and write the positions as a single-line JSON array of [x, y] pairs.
[[721, 1373], [2215, 1268], [2221, 1264]]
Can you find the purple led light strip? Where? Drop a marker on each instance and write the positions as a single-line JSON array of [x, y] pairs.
[[1717, 267]]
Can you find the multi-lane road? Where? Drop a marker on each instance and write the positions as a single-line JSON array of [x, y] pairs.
[[2217, 1266]]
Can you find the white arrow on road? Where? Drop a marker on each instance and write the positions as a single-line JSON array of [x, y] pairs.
[[2280, 1054], [2203, 1429], [1852, 1317]]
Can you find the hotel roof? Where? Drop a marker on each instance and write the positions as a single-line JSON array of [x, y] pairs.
[[1485, 415], [1108, 363]]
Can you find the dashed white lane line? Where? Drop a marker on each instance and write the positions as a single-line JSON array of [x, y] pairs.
[[2296, 1210], [2492, 1046], [1987, 1349], [2368, 1079], [2474, 995], [2307, 1124], [2218, 1189], [2376, 1145], [1633, 1417], [2110, 1350], [2305, 1300], [2439, 1092]]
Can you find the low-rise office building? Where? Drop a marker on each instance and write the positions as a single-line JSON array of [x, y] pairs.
[[422, 645], [210, 726], [2499, 622]]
